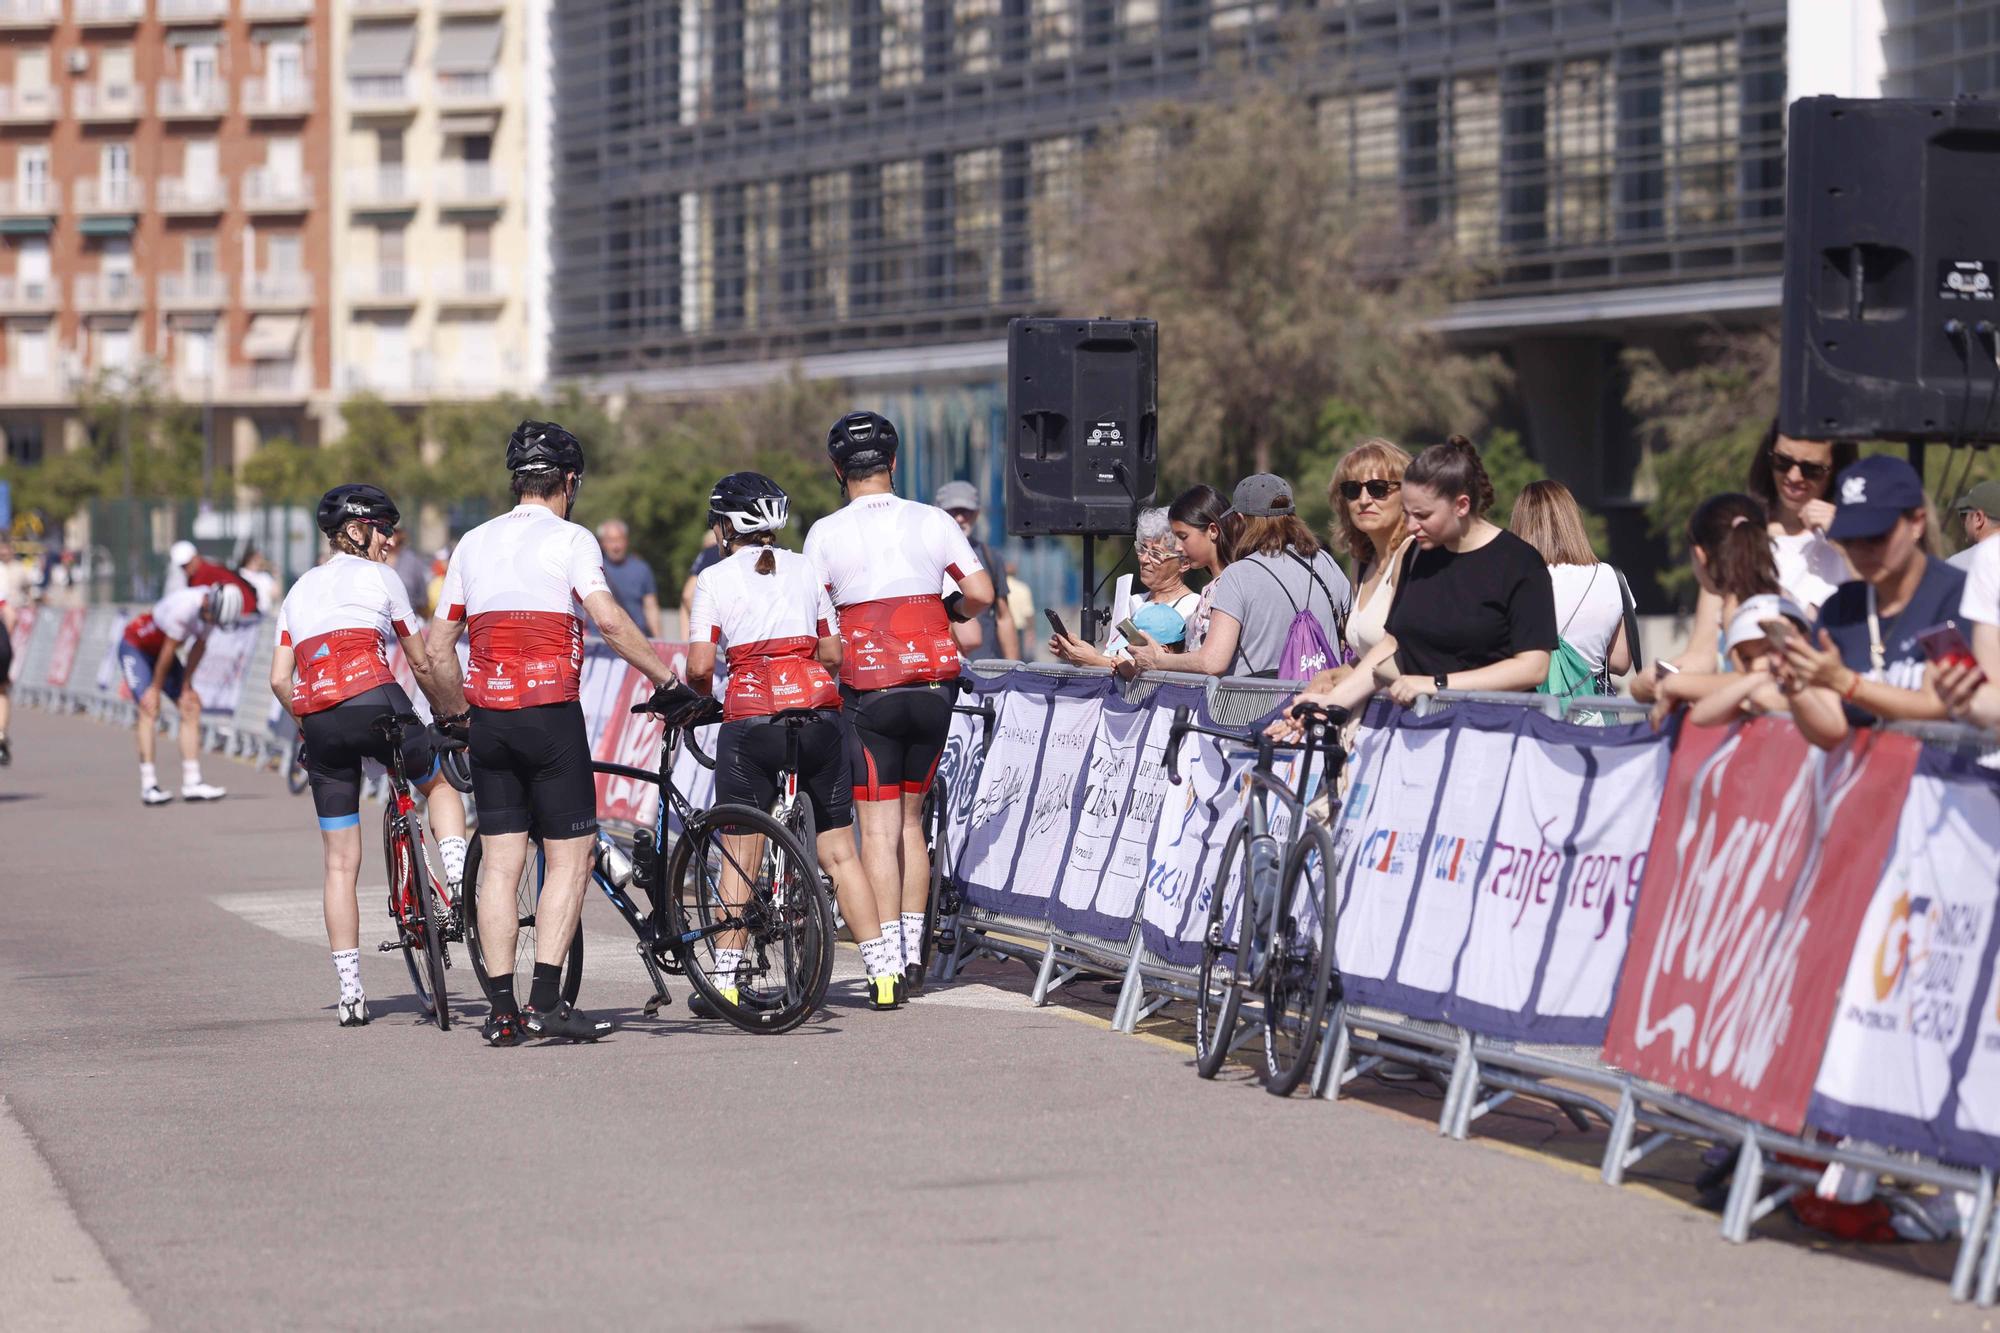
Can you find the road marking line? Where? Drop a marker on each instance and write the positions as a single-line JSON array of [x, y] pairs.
[[56, 1276]]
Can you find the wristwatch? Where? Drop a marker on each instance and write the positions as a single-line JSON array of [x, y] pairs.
[[1439, 680]]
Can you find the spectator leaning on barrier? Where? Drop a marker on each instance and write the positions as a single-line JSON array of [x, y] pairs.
[[1591, 597], [1367, 498], [1978, 512], [1475, 609], [1759, 683], [1196, 519], [1732, 561], [1865, 648], [1276, 573], [630, 577], [1979, 609], [991, 635], [1162, 569]]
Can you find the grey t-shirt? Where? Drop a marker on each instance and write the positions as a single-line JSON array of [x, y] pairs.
[[1263, 592], [631, 582]]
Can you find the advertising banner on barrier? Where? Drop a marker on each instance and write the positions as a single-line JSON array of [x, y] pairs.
[[609, 690], [1765, 858], [219, 676], [24, 633], [1124, 790], [69, 637], [1196, 817], [1913, 1060]]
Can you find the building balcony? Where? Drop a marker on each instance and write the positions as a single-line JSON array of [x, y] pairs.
[[384, 9], [267, 381], [278, 291], [110, 194], [267, 11], [182, 101], [469, 185], [109, 292], [463, 8], [266, 99], [30, 296], [30, 106], [192, 198], [190, 11], [380, 189], [193, 291], [470, 90], [472, 285], [108, 13], [30, 13], [29, 199], [52, 387], [266, 191], [108, 102], [381, 95], [384, 289]]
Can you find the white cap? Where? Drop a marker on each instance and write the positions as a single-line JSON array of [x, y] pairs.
[[1747, 626], [180, 553]]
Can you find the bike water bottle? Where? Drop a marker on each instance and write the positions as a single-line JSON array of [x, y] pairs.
[[645, 858], [617, 866], [1263, 866]]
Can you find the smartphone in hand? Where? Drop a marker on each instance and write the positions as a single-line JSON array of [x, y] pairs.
[[1055, 623], [1133, 634], [1779, 631], [1946, 645]]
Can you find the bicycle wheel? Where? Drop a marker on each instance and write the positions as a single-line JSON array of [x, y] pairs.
[[526, 890], [414, 914], [1301, 973], [782, 926], [296, 777], [936, 805], [1217, 997]]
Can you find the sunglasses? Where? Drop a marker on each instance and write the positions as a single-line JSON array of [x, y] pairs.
[[1783, 463], [1160, 553], [1377, 489]]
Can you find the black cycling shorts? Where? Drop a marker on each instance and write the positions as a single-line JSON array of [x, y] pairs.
[[531, 771], [340, 737], [750, 751], [6, 655], [895, 738]]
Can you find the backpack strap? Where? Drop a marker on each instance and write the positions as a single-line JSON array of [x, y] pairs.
[[1339, 616], [1631, 621], [1595, 570], [1280, 582]]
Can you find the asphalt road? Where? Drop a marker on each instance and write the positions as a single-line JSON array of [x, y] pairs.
[[187, 1140]]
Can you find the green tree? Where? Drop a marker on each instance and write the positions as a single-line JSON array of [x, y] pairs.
[[1278, 288]]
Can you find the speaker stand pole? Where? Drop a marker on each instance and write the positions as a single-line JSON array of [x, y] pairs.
[[1916, 454], [1087, 613]]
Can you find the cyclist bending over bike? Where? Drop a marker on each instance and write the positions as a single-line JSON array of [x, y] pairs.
[[149, 657], [767, 607], [883, 560], [518, 582], [331, 674]]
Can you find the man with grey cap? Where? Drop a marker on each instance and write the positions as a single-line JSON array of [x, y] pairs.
[[998, 637], [1978, 513]]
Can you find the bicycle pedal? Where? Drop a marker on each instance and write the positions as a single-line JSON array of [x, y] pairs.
[[388, 946], [656, 1002]]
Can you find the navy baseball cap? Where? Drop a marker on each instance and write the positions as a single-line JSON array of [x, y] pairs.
[[1872, 495]]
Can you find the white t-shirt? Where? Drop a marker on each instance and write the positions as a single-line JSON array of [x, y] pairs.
[[1589, 608], [1981, 602], [518, 581], [1809, 567]]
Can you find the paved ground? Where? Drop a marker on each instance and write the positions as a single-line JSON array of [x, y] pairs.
[[188, 1140]]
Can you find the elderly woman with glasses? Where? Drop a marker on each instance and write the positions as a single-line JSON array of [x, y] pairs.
[[1163, 569]]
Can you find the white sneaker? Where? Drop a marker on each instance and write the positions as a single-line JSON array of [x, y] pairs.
[[153, 796], [203, 791], [354, 1013]]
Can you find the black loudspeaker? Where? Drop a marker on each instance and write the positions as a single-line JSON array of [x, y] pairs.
[[1892, 260], [1082, 424]]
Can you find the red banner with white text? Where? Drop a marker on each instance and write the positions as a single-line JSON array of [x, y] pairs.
[[1764, 860], [633, 741]]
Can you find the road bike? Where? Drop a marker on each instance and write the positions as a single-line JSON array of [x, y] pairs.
[[1282, 945], [420, 902], [728, 877], [941, 906]]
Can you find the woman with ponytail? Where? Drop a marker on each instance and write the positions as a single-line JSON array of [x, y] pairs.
[[1475, 608], [1733, 561]]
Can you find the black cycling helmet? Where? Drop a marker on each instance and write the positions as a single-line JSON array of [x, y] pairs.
[[862, 439], [356, 500], [749, 502], [537, 446]]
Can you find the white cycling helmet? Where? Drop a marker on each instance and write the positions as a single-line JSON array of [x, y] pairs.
[[749, 502], [225, 603]]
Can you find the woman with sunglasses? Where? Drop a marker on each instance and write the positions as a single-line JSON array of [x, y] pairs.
[[1163, 569], [1367, 498]]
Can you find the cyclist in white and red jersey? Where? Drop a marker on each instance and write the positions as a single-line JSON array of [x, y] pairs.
[[768, 609], [883, 560], [522, 583], [331, 673], [149, 657]]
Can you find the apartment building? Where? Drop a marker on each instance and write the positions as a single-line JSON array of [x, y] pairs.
[[163, 171], [438, 239]]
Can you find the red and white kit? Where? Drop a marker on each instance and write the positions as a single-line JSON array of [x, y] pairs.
[[771, 625], [176, 616], [518, 581], [339, 620], [883, 559]]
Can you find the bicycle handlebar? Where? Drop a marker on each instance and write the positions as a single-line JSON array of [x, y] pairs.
[[685, 716], [1317, 718]]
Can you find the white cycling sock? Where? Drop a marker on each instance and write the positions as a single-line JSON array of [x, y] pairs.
[[876, 958], [347, 963], [913, 938], [190, 772], [453, 852], [892, 938], [726, 963], [148, 776]]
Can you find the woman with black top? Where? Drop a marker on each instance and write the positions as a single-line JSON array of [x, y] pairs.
[[1474, 609]]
